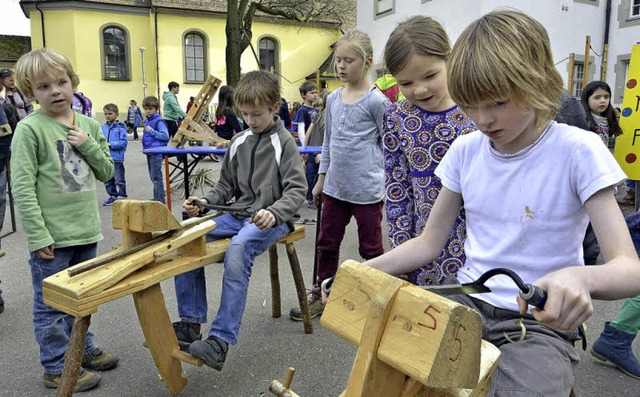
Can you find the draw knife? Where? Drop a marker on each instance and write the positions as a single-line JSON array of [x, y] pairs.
[[531, 294]]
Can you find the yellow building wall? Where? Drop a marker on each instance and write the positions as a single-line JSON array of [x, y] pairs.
[[76, 34]]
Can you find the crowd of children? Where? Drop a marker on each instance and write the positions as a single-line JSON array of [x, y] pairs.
[[467, 165]]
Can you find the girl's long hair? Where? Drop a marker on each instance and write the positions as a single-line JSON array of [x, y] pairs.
[[609, 113], [225, 100]]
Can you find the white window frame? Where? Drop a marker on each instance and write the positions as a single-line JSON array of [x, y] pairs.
[[634, 9], [382, 8], [576, 84]]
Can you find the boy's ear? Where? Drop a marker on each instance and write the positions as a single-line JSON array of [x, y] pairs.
[[276, 107]]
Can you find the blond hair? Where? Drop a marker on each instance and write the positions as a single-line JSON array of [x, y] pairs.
[[257, 88], [418, 35], [40, 63], [361, 44], [505, 55]]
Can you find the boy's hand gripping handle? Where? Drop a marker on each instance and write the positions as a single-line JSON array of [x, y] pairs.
[[535, 296]]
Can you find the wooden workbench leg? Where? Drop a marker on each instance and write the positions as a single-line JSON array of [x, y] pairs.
[[302, 292], [276, 308], [159, 336], [73, 356], [167, 180], [370, 376]]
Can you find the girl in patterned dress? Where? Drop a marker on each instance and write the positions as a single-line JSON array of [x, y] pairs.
[[417, 133]]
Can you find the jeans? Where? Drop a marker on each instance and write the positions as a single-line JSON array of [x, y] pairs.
[[312, 175], [3, 197], [154, 164], [631, 186], [336, 215], [172, 127], [248, 242], [117, 186], [53, 327]]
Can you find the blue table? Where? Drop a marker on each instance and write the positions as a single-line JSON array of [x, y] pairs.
[[189, 156]]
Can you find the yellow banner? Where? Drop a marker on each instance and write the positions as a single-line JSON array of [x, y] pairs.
[[627, 149]]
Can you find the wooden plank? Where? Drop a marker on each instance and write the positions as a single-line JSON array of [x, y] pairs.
[[159, 336], [167, 267], [433, 339], [427, 337], [103, 277]]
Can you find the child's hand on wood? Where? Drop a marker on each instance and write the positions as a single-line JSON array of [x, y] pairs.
[[76, 136], [193, 206], [46, 253], [568, 300], [263, 219]]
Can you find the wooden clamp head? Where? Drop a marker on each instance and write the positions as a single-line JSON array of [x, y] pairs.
[[427, 337]]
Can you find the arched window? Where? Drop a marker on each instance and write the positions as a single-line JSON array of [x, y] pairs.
[[268, 54], [115, 54], [195, 61]]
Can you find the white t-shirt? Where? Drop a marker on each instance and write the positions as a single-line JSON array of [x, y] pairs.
[[526, 211]]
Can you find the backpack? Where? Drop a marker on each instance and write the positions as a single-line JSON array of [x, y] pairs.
[[389, 87], [81, 104]]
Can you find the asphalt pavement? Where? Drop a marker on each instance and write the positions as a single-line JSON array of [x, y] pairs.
[[267, 346]]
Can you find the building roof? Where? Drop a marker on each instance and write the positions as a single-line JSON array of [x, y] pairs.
[[347, 19], [13, 47]]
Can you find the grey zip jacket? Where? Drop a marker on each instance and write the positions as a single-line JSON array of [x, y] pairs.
[[263, 171]]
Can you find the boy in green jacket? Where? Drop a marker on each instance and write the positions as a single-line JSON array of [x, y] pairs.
[[57, 156], [171, 109]]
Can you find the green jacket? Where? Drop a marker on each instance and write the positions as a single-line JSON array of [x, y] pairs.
[[170, 109], [54, 184]]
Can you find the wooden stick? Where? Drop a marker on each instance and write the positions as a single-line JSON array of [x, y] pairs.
[[73, 356], [85, 267], [289, 377]]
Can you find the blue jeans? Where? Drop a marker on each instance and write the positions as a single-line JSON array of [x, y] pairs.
[[312, 175], [154, 164], [248, 242], [53, 327], [117, 186], [631, 186]]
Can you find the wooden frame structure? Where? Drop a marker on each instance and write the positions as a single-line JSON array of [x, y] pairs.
[[193, 126], [137, 268], [411, 343]]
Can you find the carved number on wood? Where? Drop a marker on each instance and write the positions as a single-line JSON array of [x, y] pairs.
[[435, 322], [458, 342]]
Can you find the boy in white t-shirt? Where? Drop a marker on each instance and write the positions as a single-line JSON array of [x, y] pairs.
[[529, 187]]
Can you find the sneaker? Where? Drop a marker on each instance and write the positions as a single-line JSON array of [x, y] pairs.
[[311, 205], [86, 380], [110, 201], [187, 333], [213, 351], [316, 307], [99, 360], [614, 347]]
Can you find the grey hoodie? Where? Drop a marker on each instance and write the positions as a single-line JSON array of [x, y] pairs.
[[263, 171]]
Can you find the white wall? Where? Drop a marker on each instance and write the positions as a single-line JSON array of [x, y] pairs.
[[568, 22]]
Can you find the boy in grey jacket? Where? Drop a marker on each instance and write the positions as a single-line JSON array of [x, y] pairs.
[[262, 170]]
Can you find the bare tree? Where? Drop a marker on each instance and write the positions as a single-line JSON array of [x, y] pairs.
[[240, 15]]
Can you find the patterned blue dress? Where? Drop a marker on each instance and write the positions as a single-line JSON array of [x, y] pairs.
[[415, 141]]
